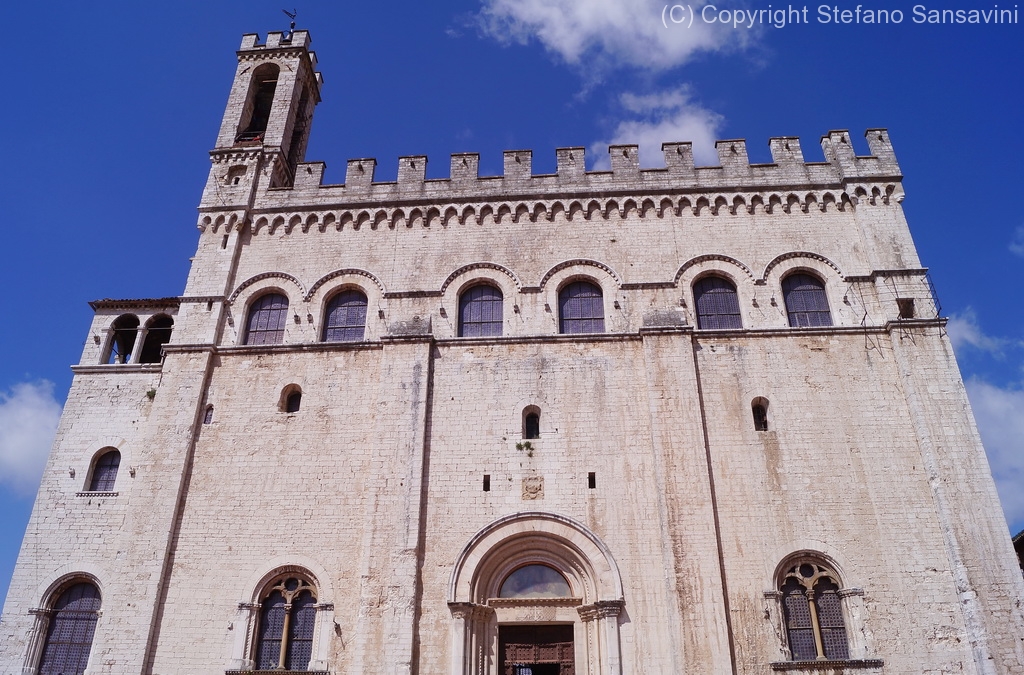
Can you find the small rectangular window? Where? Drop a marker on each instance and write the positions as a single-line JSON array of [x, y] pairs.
[[591, 480], [487, 482], [906, 306]]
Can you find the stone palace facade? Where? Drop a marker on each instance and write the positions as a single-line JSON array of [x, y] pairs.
[[698, 420]]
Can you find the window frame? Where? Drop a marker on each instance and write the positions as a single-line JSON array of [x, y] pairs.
[[805, 317], [47, 623], [110, 482], [336, 296], [464, 302], [252, 309], [705, 317], [596, 301]]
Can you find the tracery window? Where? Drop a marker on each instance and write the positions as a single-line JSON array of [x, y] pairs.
[[346, 317], [806, 301], [104, 472], [580, 308], [813, 613], [284, 636], [72, 626], [267, 315], [718, 306], [480, 311]]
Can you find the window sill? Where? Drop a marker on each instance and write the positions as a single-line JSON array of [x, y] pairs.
[[96, 493], [838, 665]]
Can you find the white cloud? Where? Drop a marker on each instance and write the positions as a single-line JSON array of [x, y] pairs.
[[28, 421], [1000, 416], [1017, 243], [661, 117], [964, 331], [595, 33]]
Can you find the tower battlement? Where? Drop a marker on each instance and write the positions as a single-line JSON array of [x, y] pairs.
[[734, 172]]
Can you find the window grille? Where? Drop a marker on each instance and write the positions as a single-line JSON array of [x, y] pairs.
[[806, 302], [480, 312], [580, 308], [285, 634], [267, 317], [104, 473], [718, 306], [813, 614], [346, 317], [71, 629]]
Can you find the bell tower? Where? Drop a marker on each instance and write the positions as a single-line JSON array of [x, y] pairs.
[[266, 123]]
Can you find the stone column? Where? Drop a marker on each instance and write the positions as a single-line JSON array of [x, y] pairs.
[[604, 615]]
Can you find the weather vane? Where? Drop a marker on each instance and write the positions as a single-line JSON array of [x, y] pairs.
[[291, 15]]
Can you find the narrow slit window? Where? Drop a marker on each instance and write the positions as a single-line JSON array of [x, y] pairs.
[[531, 425], [759, 408], [208, 415], [487, 482], [591, 480]]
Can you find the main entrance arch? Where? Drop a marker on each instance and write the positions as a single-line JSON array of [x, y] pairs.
[[534, 623]]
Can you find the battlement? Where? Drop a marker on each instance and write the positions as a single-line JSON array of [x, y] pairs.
[[275, 40], [733, 173]]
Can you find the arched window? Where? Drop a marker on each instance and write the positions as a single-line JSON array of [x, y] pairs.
[[284, 637], [208, 415], [158, 333], [535, 581], [104, 472], [122, 341], [346, 317], [531, 422], [267, 316], [580, 308], [69, 636], [259, 102], [718, 306], [806, 302], [293, 402], [813, 613], [759, 408], [480, 311]]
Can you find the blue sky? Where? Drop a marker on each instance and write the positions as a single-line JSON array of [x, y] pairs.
[[111, 108]]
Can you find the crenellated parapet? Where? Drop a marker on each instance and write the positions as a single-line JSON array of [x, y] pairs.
[[844, 176]]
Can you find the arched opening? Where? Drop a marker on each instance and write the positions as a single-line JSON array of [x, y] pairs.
[[531, 422], [812, 610], [806, 301], [258, 104], [72, 620], [346, 317], [284, 635], [530, 563], [104, 472], [266, 320], [291, 399], [580, 308], [158, 333], [759, 409], [123, 331], [718, 306], [480, 311]]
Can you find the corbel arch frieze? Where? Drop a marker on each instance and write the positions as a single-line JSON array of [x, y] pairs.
[[261, 277]]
